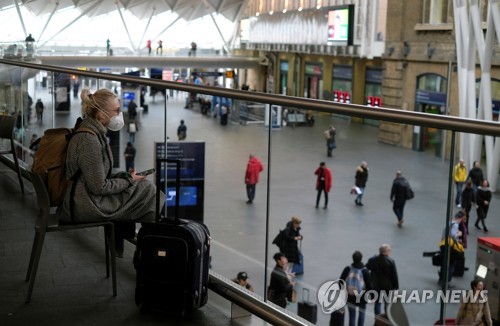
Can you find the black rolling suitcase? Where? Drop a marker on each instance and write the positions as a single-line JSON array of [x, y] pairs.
[[172, 261], [307, 309]]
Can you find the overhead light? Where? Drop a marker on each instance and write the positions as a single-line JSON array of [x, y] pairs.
[[284, 11], [271, 12], [257, 14], [300, 9], [318, 7]]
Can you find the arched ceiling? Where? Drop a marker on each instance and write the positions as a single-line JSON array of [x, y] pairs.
[[142, 9]]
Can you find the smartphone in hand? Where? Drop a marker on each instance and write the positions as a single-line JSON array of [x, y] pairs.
[[147, 172]]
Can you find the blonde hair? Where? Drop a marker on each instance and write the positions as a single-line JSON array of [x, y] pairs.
[[93, 102], [296, 220]]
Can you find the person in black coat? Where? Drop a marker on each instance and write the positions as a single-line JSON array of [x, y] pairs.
[[483, 199], [280, 285], [293, 236], [467, 198], [475, 175], [360, 181], [384, 276], [398, 196], [182, 131], [357, 264]]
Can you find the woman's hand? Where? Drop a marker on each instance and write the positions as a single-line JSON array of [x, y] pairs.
[[136, 177]]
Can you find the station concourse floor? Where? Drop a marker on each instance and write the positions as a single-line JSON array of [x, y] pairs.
[[71, 287]]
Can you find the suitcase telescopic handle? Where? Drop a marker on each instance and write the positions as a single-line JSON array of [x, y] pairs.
[[304, 291], [159, 161]]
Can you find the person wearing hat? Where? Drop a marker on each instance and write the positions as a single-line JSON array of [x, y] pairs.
[[280, 285], [242, 279]]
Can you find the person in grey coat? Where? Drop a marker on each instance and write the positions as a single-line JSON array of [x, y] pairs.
[[99, 194]]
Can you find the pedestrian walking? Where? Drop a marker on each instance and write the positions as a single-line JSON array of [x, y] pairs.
[[329, 136], [129, 157], [357, 279], [460, 176], [292, 232], [132, 110], [182, 131], [399, 195], [132, 129], [159, 49], [39, 107], [475, 175], [323, 182], [108, 47], [148, 46], [384, 276], [360, 181], [254, 168], [483, 200], [468, 198]]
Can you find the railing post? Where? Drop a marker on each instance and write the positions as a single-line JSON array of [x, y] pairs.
[[446, 255], [266, 253]]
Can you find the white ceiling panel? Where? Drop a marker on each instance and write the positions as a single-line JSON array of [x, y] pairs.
[[142, 9]]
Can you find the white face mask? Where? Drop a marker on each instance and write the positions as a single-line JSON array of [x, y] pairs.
[[116, 123]]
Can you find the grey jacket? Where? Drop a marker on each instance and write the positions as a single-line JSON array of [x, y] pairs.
[[99, 195]]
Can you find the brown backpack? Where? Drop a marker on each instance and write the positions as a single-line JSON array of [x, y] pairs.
[[50, 160]]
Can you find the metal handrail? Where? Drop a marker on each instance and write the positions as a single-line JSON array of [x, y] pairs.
[[473, 126], [252, 302]]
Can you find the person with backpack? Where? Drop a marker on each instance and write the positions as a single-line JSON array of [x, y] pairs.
[[97, 193], [384, 276], [357, 279]]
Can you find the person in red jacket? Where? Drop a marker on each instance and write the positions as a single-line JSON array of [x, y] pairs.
[[254, 168], [323, 182]]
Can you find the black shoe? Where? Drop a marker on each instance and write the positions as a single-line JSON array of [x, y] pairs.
[[316, 206], [477, 227], [466, 268], [485, 229], [249, 201], [360, 204], [325, 207]]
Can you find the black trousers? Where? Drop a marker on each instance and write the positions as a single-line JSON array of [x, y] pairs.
[[318, 197]]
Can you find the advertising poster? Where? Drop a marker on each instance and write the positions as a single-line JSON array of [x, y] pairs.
[[192, 176]]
